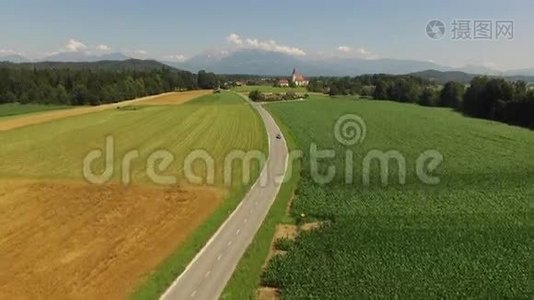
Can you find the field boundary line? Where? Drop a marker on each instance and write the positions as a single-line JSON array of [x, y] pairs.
[[75, 111]]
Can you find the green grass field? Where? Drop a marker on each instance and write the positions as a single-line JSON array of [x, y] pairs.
[[11, 110], [229, 109], [470, 236], [267, 89], [216, 123]]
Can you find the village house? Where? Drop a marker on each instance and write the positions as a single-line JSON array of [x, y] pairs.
[[283, 83], [297, 79]]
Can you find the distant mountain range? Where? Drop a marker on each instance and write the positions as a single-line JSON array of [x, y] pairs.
[[267, 63], [67, 57], [522, 72], [276, 64], [443, 77], [15, 58], [129, 64]]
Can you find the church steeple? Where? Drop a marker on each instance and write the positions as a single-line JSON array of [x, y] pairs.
[[298, 79]]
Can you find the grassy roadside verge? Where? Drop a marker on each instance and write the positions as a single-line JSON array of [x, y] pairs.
[[246, 278], [155, 284]]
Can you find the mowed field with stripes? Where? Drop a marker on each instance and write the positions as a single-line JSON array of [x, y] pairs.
[[61, 236]]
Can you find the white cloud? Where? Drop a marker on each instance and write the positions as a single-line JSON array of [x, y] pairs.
[[356, 52], [275, 47], [73, 46], [102, 47], [9, 52], [76, 46], [234, 39], [176, 57], [216, 53], [344, 49], [141, 52], [363, 51], [269, 45]]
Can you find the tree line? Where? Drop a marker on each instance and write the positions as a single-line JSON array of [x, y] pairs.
[[258, 96], [489, 98], [65, 86]]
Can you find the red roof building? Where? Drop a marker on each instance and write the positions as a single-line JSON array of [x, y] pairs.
[[283, 83], [298, 79]]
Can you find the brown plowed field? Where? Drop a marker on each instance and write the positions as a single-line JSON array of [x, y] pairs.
[[61, 239]]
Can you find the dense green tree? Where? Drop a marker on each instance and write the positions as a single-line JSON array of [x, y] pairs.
[[428, 97], [7, 97], [500, 100], [256, 96], [367, 91], [334, 90], [451, 95], [86, 86], [404, 90], [484, 97], [317, 86], [473, 96], [490, 98], [520, 91], [381, 90], [207, 80]]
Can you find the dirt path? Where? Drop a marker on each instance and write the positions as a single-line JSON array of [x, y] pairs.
[[167, 98]]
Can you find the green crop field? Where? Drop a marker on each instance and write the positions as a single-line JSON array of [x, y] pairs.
[[268, 89], [14, 109], [470, 236], [216, 123]]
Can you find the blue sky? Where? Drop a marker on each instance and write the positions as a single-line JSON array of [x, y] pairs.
[[180, 29]]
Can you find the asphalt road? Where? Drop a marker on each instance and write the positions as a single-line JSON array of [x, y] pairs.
[[207, 275]]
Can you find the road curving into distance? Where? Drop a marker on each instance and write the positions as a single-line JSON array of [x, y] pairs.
[[207, 274]]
